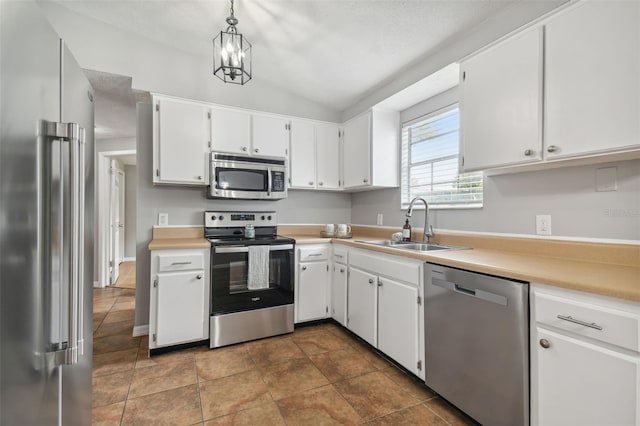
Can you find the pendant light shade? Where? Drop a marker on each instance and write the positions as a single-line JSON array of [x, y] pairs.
[[232, 54]]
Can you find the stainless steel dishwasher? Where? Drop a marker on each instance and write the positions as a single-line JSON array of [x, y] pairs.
[[477, 343]]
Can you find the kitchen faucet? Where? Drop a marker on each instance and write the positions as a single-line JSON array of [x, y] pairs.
[[428, 229]]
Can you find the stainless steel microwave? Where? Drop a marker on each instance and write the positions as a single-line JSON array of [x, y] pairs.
[[247, 177]]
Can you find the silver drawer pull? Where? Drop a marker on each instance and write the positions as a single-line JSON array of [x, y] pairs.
[[180, 263], [314, 254], [586, 324]]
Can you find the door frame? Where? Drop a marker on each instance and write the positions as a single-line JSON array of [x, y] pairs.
[[103, 204]]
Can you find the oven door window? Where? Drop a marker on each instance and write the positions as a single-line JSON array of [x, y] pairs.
[[229, 282], [242, 179]]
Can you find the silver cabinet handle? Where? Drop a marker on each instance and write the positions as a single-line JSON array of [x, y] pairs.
[[365, 180], [379, 283], [304, 268], [199, 177], [320, 183], [545, 343], [576, 321], [180, 263], [342, 270], [256, 150], [310, 182], [314, 254], [529, 152], [370, 280], [552, 148], [244, 148], [199, 276]]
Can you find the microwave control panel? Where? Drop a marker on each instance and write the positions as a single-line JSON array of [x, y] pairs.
[[277, 181]]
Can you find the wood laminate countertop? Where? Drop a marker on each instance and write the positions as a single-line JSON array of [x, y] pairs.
[[177, 238], [607, 279]]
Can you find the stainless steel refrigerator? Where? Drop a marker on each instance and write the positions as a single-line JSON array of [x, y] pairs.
[[46, 224]]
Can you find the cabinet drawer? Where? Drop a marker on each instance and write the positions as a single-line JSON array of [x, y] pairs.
[[340, 254], [311, 253], [616, 327], [180, 262], [387, 265]]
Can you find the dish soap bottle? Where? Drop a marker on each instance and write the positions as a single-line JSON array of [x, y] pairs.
[[406, 231]]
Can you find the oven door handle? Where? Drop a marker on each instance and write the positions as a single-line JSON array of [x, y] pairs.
[[245, 249]]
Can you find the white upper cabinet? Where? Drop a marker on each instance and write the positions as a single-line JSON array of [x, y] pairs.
[[328, 156], [592, 79], [270, 136], [501, 104], [370, 150], [231, 131], [181, 135], [303, 155]]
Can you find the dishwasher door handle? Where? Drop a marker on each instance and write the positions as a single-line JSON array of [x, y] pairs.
[[464, 290], [477, 293]]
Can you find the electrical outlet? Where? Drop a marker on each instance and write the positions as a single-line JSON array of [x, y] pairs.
[[163, 219], [380, 219], [543, 224]]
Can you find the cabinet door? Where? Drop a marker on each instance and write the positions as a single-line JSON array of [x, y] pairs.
[[181, 307], [339, 294], [270, 136], [569, 371], [231, 131], [398, 322], [312, 300], [328, 156], [592, 79], [181, 142], [357, 152], [303, 155], [501, 104], [361, 304]]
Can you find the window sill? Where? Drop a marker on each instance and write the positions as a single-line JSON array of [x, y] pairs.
[[444, 207]]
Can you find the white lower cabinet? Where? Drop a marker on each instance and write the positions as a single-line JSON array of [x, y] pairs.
[[384, 306], [179, 297], [361, 302], [339, 286], [585, 360], [312, 289]]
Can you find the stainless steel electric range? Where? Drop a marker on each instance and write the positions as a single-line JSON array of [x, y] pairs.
[[252, 277]]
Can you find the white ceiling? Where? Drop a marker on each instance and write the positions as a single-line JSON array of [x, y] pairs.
[[329, 51]]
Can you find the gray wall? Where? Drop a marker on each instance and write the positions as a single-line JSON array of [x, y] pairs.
[[185, 206], [512, 201], [130, 184]]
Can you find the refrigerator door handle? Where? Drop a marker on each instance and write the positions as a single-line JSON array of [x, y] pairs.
[[73, 134]]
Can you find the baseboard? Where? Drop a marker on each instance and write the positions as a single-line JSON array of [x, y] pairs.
[[96, 284], [129, 259], [141, 330]]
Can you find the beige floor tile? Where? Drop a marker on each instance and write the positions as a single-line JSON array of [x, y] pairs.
[[319, 342], [293, 376], [110, 389], [162, 377], [410, 384], [448, 412], [342, 364], [114, 362], [374, 395], [370, 355], [270, 351], [320, 406], [180, 406], [114, 328], [418, 415], [232, 394], [107, 415], [118, 342], [144, 361], [222, 362], [266, 414]]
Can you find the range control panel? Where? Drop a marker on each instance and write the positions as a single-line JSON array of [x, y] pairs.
[[239, 219]]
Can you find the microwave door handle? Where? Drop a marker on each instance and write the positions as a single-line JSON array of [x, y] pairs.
[[269, 183]]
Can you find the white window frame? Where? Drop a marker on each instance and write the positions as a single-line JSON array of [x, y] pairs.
[[404, 171]]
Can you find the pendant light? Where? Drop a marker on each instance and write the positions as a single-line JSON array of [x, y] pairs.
[[232, 54]]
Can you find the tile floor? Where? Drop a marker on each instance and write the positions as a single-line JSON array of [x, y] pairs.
[[318, 375]]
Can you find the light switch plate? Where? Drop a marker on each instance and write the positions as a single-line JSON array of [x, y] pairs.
[[163, 219], [543, 224], [380, 219], [607, 179]]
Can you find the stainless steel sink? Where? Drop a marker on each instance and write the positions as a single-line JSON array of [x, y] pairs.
[[411, 245]]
